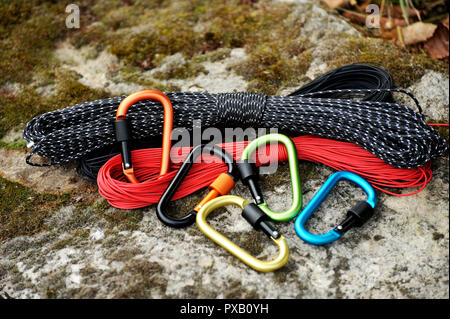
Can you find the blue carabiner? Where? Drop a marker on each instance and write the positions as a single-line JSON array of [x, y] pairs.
[[356, 216]]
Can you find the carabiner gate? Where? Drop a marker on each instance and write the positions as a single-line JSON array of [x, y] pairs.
[[220, 186], [249, 176], [356, 216], [123, 130], [256, 218]]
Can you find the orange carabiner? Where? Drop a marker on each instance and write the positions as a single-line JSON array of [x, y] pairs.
[[123, 130]]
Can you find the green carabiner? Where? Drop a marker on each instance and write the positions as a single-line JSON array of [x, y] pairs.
[[249, 176]]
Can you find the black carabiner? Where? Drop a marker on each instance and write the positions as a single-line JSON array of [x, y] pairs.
[[221, 186]]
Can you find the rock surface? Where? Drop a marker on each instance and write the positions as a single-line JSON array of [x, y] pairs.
[[87, 249]]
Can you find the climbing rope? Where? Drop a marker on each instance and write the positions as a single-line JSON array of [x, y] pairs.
[[392, 132], [341, 156]]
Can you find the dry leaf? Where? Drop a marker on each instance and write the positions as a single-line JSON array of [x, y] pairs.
[[333, 4], [418, 32], [437, 46]]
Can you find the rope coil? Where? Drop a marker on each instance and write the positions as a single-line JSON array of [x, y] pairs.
[[335, 154], [392, 132], [243, 108]]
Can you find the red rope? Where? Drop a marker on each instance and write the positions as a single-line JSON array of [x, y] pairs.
[[438, 124], [336, 154]]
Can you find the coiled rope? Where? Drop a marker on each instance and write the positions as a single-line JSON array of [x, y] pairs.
[[114, 187], [392, 132]]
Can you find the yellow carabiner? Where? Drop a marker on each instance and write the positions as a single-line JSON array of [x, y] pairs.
[[255, 217]]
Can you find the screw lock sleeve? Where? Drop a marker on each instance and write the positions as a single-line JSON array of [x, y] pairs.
[[256, 217], [122, 129], [247, 170], [253, 215], [361, 212], [356, 217], [249, 177]]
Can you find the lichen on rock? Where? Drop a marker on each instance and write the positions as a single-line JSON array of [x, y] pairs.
[[60, 239]]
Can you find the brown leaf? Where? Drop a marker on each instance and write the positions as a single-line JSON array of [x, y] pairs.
[[437, 46], [418, 32], [333, 4]]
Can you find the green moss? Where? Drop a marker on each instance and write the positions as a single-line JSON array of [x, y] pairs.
[[252, 242], [140, 278], [113, 239], [268, 68], [181, 72], [120, 17], [237, 291], [286, 273], [88, 270], [308, 170], [91, 35], [21, 145], [405, 66], [76, 238], [174, 28], [28, 31], [70, 91], [212, 56], [56, 283], [17, 109], [100, 206], [280, 177], [171, 27], [123, 219], [82, 233], [60, 244], [171, 34], [133, 74], [23, 211], [125, 254]]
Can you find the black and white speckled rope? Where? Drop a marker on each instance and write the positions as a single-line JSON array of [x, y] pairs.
[[390, 131]]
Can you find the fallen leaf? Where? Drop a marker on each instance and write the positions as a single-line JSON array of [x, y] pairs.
[[333, 4], [418, 32], [437, 46]]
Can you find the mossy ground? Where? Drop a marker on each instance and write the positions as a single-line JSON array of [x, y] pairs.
[[17, 109], [30, 31], [23, 211], [142, 33], [122, 219], [405, 66]]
